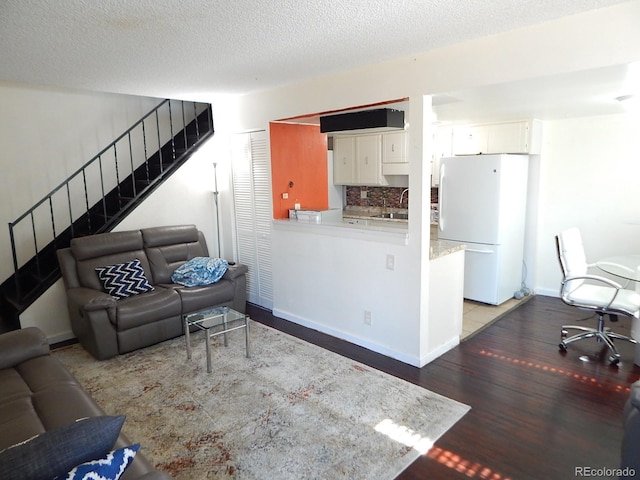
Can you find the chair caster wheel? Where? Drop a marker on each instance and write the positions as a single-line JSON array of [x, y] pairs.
[[564, 333], [613, 360], [562, 346]]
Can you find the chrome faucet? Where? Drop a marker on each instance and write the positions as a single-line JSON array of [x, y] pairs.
[[406, 190]]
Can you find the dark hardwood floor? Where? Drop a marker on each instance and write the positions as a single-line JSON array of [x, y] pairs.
[[536, 413]]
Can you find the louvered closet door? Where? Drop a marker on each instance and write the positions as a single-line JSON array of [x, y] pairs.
[[252, 197]]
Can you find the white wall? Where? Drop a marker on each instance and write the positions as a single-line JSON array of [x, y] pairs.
[[589, 179], [326, 278], [46, 134]]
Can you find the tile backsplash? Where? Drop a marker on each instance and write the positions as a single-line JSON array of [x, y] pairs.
[[376, 197]]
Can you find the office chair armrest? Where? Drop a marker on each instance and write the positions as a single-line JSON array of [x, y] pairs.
[[597, 278], [616, 286]]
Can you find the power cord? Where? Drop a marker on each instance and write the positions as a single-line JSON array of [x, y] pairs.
[[524, 290]]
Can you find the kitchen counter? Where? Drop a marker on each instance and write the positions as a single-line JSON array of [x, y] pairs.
[[358, 222], [367, 224], [372, 230], [441, 248], [373, 214]]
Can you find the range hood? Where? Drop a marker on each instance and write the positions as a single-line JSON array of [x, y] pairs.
[[380, 119]]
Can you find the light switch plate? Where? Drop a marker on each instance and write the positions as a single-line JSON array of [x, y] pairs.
[[391, 262]]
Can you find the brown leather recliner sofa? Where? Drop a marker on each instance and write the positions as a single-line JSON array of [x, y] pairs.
[[107, 326], [38, 395]]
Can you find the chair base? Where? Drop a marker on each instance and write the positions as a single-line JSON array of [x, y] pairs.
[[602, 334]]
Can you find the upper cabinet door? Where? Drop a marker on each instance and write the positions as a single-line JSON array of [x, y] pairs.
[[369, 166], [511, 137], [344, 160], [470, 140], [357, 160], [394, 147]]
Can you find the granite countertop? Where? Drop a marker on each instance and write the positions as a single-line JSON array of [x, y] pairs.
[[437, 248], [370, 213], [440, 248]]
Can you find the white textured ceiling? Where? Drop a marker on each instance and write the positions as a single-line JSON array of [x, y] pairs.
[[186, 48]]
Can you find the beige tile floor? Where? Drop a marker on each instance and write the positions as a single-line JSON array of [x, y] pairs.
[[477, 316]]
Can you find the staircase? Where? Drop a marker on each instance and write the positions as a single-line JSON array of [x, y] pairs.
[[98, 196]]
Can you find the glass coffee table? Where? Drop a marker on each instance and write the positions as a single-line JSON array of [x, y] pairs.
[[215, 321]]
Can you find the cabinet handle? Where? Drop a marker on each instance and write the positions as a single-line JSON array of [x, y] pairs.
[[366, 160], [393, 148]]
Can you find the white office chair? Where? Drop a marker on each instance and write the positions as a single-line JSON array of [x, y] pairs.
[[601, 295]]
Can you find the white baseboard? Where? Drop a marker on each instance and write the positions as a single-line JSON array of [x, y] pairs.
[[349, 338], [431, 356], [548, 292], [61, 337]]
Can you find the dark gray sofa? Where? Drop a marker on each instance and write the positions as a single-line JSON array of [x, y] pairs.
[[106, 326], [38, 394]]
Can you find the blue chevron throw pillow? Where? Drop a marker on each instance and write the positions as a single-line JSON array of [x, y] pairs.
[[124, 279], [110, 467]]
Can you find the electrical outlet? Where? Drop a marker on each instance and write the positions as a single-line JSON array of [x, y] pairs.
[[363, 193], [391, 262], [285, 196], [367, 317]]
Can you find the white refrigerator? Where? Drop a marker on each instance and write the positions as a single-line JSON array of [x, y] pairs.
[[482, 203]]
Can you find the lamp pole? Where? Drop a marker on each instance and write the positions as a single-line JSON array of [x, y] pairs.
[[215, 197]]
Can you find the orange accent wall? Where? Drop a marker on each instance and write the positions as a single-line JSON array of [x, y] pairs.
[[298, 157]]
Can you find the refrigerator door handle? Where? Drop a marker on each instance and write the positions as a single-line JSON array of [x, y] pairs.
[[440, 190], [478, 250]]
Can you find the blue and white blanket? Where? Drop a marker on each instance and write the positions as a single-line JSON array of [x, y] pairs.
[[200, 271]]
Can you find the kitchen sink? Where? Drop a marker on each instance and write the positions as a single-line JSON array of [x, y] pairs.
[[397, 216]]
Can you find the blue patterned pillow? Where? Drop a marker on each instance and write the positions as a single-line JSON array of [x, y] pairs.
[[124, 279], [58, 450], [200, 271], [110, 467]]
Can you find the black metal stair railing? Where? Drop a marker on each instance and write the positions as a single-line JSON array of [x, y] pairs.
[[97, 196]]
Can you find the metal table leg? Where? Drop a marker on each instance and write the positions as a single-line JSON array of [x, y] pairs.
[[187, 338], [224, 329], [246, 334], [208, 346]]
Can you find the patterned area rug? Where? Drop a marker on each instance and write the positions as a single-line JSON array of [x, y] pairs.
[[291, 411]]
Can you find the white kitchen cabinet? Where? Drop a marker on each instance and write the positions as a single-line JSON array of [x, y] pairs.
[[515, 137], [470, 140], [394, 153], [358, 160], [394, 147], [368, 160], [511, 137], [344, 160]]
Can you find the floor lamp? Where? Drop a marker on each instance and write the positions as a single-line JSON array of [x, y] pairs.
[[215, 197]]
